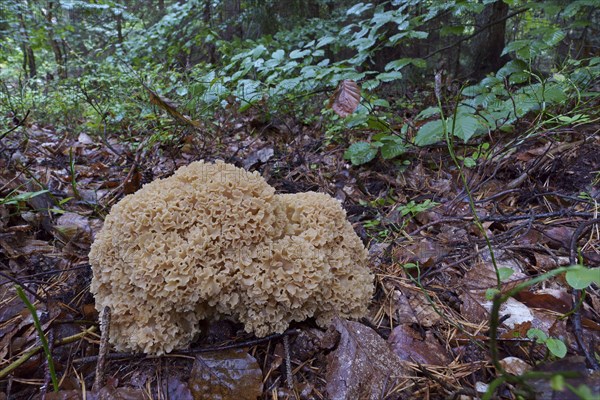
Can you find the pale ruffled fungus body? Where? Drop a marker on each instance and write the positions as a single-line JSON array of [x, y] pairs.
[[215, 241]]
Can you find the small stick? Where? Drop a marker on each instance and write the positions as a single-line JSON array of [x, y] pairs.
[[247, 343], [576, 316], [288, 363], [47, 374], [104, 329]]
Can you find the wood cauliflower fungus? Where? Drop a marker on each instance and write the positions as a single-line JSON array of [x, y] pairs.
[[215, 241]]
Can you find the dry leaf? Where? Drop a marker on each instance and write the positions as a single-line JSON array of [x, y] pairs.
[[345, 99], [226, 375], [549, 299], [71, 226], [170, 108], [514, 366], [409, 346], [518, 331], [259, 156], [426, 253], [422, 310], [174, 388], [363, 366], [108, 392]]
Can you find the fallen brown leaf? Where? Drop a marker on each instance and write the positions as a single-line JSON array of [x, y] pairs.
[[226, 375], [410, 346], [363, 366]]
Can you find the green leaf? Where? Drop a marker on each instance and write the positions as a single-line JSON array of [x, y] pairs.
[[584, 392], [402, 62], [395, 38], [381, 103], [21, 197], [516, 46], [393, 146], [299, 53], [582, 277], [427, 113], [430, 133], [418, 34], [397, 64], [258, 51], [537, 334], [554, 94], [511, 67], [359, 8], [278, 55], [370, 84], [389, 76], [469, 162], [376, 124], [356, 119], [465, 126], [505, 273], [324, 41], [363, 44], [472, 91], [491, 293], [556, 347], [554, 37], [360, 153], [381, 18]]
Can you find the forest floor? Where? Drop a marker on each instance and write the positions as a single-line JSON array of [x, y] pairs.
[[427, 331]]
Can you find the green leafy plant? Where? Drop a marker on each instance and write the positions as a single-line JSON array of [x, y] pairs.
[[556, 346], [390, 146], [500, 100], [580, 277]]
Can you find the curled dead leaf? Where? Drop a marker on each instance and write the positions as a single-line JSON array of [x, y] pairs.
[[170, 108], [345, 99]]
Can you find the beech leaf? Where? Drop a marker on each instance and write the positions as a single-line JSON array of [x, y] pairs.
[[409, 346], [226, 375], [345, 99], [363, 366]]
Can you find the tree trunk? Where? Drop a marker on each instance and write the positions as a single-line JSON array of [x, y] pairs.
[[28, 57], [119, 18], [206, 18], [488, 45], [230, 10], [55, 44]]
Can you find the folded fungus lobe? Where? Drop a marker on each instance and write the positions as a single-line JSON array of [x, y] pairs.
[[215, 241]]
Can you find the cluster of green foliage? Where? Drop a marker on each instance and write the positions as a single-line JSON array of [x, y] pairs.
[[89, 66], [185, 52]]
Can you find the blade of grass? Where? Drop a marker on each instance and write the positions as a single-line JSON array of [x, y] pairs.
[[38, 327]]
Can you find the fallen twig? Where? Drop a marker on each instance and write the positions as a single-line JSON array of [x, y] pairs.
[[247, 343], [576, 316], [26, 356]]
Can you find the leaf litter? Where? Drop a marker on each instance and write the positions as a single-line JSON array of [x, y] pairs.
[[426, 332]]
